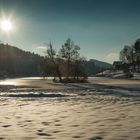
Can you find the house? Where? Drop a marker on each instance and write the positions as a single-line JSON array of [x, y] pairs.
[[117, 65]]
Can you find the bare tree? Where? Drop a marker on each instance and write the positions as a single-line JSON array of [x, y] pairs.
[[137, 52], [69, 53], [126, 55], [79, 70], [67, 62], [51, 54]]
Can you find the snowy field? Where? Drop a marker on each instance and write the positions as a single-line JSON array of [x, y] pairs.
[[37, 109]]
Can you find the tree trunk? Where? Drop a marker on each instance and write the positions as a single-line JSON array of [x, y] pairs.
[[68, 69], [58, 74]]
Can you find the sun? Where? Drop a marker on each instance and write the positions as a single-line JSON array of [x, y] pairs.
[[6, 25]]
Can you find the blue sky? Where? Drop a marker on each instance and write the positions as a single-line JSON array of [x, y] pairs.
[[100, 27]]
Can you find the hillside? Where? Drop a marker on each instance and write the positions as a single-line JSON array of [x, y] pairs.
[[16, 62], [95, 66], [100, 63]]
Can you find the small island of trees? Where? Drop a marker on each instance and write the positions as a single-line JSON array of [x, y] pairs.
[[66, 64]]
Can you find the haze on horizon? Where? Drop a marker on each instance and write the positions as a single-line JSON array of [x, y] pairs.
[[101, 28]]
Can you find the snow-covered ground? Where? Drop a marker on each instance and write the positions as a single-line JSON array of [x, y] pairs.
[[118, 74], [136, 76], [112, 74], [37, 109]]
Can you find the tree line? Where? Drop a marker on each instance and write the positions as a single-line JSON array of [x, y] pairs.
[[130, 55], [15, 62]]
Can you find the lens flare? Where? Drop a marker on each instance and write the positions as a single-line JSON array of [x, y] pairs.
[[6, 25]]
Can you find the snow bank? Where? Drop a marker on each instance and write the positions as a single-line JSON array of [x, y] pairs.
[[116, 74]]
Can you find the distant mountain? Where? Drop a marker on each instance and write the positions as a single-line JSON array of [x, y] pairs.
[[100, 63], [95, 66]]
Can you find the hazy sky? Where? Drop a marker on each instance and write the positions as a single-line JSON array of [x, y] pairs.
[[100, 27]]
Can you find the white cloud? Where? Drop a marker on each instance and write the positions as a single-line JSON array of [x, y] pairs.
[[41, 47], [111, 57]]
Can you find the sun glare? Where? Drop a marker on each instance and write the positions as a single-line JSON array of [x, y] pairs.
[[6, 25]]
